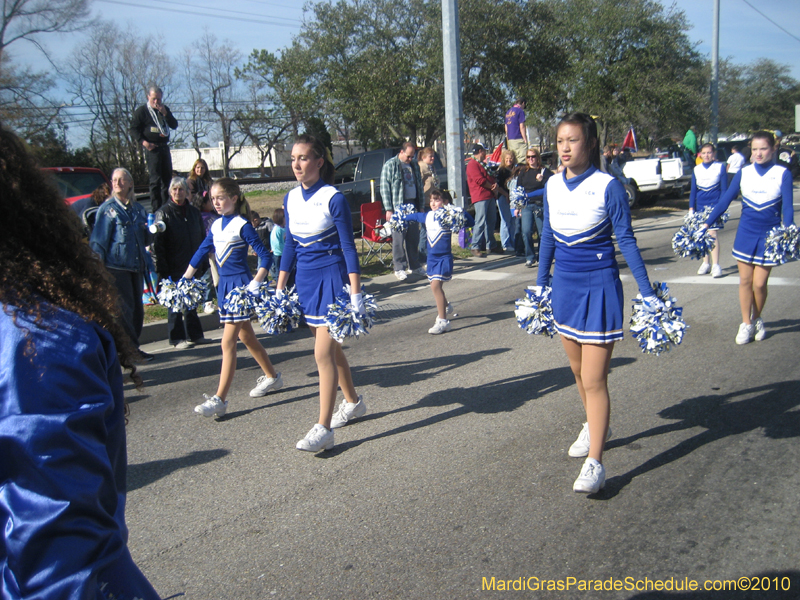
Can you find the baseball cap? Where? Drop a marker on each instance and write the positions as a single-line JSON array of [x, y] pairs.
[[477, 148]]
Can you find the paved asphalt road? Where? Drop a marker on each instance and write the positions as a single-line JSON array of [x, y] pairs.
[[459, 473]]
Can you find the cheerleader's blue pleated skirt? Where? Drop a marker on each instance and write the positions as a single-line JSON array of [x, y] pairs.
[[587, 305], [226, 284], [440, 267], [748, 247], [318, 288]]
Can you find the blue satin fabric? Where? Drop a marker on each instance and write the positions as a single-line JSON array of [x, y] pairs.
[[62, 462]]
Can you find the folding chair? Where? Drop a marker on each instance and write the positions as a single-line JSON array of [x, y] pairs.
[[378, 244]]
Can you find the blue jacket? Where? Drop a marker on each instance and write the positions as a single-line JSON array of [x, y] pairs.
[[120, 235]]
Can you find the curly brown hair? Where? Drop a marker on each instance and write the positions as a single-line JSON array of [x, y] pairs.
[[45, 260]]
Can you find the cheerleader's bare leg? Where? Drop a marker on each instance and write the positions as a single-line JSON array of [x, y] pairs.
[[747, 300], [760, 278], [715, 250], [334, 370], [437, 287], [229, 336], [249, 339], [590, 364]]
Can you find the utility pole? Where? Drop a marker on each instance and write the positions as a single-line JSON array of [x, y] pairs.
[[715, 76], [453, 109]]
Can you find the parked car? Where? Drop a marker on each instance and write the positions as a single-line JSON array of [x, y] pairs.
[[236, 174], [358, 177], [76, 183], [255, 176]]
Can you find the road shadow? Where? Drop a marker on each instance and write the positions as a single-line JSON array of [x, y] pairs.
[[766, 583], [768, 407], [505, 395], [144, 474], [781, 326]]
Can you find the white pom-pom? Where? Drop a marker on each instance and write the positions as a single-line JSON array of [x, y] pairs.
[[187, 294], [782, 244], [398, 221], [344, 321], [535, 312], [657, 327], [450, 217], [279, 315]]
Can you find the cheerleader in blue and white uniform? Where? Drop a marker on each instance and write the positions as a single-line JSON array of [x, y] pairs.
[[319, 234], [229, 237], [766, 190], [709, 183], [583, 208], [440, 256]]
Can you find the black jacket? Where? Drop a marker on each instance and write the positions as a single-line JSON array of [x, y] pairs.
[[144, 128], [175, 246]]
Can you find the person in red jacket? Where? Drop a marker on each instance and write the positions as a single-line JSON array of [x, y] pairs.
[[482, 188]]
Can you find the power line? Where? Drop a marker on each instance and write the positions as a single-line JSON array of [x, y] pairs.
[[226, 10], [771, 21], [194, 13]]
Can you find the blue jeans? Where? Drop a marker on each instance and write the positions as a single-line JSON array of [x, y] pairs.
[[528, 222], [507, 225], [483, 231]]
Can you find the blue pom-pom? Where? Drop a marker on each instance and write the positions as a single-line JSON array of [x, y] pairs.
[[782, 244], [450, 217], [657, 327], [187, 294], [398, 221], [240, 302], [534, 312], [343, 320], [518, 198], [279, 315], [692, 239]]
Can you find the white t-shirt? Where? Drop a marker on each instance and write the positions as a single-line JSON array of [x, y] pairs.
[[735, 162], [409, 186]]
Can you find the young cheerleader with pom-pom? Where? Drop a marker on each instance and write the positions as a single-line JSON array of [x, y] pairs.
[[440, 256], [319, 234], [709, 183], [766, 197], [583, 208], [229, 238]]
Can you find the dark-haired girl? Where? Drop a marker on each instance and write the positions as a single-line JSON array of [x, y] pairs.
[[229, 238], [583, 209], [319, 234], [62, 410], [766, 190]]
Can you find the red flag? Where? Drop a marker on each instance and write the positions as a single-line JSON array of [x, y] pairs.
[[630, 141], [495, 157]]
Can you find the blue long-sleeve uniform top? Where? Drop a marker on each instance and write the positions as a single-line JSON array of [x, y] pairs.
[[709, 184], [319, 228], [593, 247], [439, 239], [761, 207], [235, 261], [63, 467]]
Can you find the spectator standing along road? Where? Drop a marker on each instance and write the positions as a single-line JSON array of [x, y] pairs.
[[150, 127], [482, 194], [401, 183], [690, 142], [516, 133]]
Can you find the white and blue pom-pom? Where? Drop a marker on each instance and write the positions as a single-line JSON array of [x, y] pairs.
[[534, 312], [518, 198], [782, 244], [187, 294], [398, 221], [657, 327], [450, 218], [240, 302], [692, 239], [342, 319], [279, 315]]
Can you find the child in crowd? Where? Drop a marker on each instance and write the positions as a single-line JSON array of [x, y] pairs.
[[229, 237], [277, 238], [709, 183], [263, 228], [440, 256]]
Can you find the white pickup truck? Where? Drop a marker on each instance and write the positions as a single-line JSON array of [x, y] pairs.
[[655, 176]]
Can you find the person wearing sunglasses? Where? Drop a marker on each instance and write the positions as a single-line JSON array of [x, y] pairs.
[[532, 177]]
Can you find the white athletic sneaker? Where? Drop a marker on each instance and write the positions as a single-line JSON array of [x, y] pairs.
[[401, 275], [317, 439], [266, 384], [441, 326], [716, 271], [212, 406], [761, 332], [348, 411], [592, 478], [745, 335], [209, 308], [420, 271], [704, 269], [580, 447]]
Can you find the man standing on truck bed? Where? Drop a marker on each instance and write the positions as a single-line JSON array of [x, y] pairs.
[[516, 133], [401, 183], [150, 127], [690, 142]]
